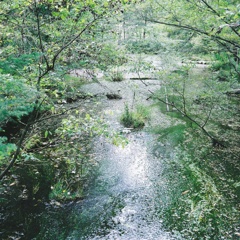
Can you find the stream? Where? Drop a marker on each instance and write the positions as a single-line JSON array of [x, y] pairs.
[[134, 184], [124, 201], [132, 187], [127, 192]]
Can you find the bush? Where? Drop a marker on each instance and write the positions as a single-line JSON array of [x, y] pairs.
[[178, 33], [16, 98], [5, 149], [14, 64], [224, 66], [134, 119], [145, 47]]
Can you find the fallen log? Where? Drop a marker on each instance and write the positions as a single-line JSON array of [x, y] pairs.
[[143, 78]]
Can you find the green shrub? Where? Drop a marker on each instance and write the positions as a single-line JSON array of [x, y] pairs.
[[134, 119], [5, 149], [13, 64], [61, 191], [103, 56], [224, 66], [146, 46], [127, 117], [16, 97], [178, 33]]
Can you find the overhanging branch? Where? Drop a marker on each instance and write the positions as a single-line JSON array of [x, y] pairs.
[[197, 30], [215, 142]]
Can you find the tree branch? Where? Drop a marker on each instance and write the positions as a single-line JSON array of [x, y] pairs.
[[187, 27], [231, 25], [208, 116], [70, 42], [215, 142], [40, 35]]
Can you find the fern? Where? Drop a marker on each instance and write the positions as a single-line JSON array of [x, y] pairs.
[[13, 65], [16, 97]]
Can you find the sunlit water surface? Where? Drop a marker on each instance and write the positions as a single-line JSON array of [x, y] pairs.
[[124, 201], [129, 192]]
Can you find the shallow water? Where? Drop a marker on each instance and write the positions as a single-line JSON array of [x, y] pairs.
[[129, 191], [124, 201]]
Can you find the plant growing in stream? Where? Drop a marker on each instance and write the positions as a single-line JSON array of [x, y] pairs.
[[199, 208], [116, 76], [135, 119]]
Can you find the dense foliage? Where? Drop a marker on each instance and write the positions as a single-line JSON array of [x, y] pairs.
[[44, 144], [40, 43]]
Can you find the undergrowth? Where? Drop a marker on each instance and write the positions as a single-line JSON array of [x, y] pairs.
[[204, 192]]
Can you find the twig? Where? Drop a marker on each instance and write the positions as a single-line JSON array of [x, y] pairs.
[[215, 142]]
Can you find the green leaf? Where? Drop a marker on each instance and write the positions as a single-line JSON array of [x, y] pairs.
[[46, 134]]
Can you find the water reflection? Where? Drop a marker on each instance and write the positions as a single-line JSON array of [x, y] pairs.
[[130, 163], [124, 201], [123, 197]]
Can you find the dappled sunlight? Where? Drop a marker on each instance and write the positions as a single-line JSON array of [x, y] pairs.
[[133, 158], [128, 175]]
